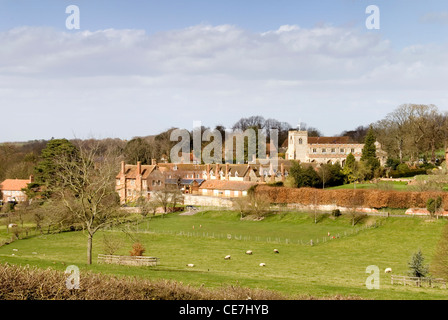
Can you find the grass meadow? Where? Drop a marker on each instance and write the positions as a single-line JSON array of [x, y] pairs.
[[328, 268]]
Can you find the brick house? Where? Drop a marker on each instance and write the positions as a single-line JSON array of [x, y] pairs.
[[135, 181], [225, 188], [11, 189]]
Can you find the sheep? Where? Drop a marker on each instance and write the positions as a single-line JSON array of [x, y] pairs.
[[262, 264], [388, 270], [190, 265], [249, 252], [12, 225], [15, 249], [276, 251], [227, 257]]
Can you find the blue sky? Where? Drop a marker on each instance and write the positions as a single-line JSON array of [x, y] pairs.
[[137, 69]]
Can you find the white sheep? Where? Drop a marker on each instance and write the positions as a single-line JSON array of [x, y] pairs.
[[191, 265], [249, 252], [227, 257], [12, 225], [262, 264], [15, 249], [276, 251], [388, 270]]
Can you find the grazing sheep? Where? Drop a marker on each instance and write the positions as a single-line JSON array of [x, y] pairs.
[[249, 252], [227, 257], [388, 270], [12, 225], [190, 265], [15, 249], [276, 251], [262, 264]]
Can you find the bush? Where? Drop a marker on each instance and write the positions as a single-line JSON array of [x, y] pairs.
[[137, 249], [336, 213], [406, 174], [30, 283]]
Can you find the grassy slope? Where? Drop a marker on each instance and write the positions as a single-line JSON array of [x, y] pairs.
[[336, 267]]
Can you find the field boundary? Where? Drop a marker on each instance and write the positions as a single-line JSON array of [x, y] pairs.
[[418, 281]]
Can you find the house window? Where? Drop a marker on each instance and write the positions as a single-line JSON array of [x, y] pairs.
[[324, 150], [314, 150], [353, 151], [333, 150], [244, 193], [227, 193], [236, 193], [342, 150]]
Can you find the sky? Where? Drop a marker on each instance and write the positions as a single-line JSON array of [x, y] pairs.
[[137, 68]]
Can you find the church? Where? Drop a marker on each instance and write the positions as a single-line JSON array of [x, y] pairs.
[[322, 150]]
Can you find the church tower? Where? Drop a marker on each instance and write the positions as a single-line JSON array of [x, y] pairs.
[[297, 145]]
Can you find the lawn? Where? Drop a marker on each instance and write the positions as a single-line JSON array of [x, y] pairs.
[[382, 185], [337, 266]]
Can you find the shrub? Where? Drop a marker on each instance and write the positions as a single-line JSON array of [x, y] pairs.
[[336, 213], [137, 249]]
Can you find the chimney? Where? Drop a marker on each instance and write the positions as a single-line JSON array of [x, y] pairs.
[[123, 167], [217, 175], [271, 173], [153, 162], [227, 171], [282, 171], [139, 167], [208, 171], [254, 158]]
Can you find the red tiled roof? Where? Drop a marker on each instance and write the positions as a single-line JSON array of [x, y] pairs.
[[330, 140], [227, 185], [131, 171], [14, 184]]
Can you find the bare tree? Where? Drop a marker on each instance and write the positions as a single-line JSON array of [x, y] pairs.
[[87, 189], [167, 198]]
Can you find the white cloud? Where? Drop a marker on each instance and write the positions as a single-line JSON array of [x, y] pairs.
[[435, 17], [128, 82]]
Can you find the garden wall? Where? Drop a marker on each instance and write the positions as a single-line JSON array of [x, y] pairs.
[[349, 198]]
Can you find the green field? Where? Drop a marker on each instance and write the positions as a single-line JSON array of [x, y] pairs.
[[336, 266], [382, 185]]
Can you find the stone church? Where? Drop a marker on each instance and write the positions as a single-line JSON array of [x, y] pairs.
[[325, 149]]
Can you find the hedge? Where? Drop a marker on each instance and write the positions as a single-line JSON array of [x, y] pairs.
[[345, 197]]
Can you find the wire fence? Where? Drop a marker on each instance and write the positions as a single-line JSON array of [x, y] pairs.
[[245, 237]]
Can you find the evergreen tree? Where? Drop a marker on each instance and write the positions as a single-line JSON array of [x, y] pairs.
[[416, 265], [46, 170], [369, 153], [304, 177]]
